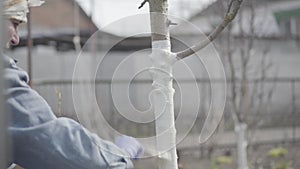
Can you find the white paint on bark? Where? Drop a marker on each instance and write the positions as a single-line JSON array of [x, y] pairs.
[[240, 130], [163, 92]]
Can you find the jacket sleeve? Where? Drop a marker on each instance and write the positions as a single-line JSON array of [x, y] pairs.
[[40, 140]]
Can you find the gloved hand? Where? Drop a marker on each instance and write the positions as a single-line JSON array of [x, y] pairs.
[[130, 145]]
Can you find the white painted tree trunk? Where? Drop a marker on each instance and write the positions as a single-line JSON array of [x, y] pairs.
[[163, 60], [163, 92], [241, 129]]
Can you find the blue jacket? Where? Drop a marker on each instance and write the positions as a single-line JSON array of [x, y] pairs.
[[41, 140]]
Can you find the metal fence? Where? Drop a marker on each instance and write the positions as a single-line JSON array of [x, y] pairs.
[[283, 110], [280, 125]]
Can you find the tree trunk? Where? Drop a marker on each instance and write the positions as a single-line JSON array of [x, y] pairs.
[[163, 92], [241, 129]]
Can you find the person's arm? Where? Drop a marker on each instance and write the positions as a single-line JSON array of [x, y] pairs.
[[62, 144], [40, 140]]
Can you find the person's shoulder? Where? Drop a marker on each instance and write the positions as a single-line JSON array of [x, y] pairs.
[[6, 60]]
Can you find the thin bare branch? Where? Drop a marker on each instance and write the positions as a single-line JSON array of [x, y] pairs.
[[229, 6], [245, 58], [251, 33], [143, 3], [170, 23], [232, 10], [235, 112], [261, 98]]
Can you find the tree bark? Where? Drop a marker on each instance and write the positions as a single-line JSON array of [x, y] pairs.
[[159, 20]]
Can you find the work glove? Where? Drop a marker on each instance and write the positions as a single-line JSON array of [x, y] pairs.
[[131, 146]]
